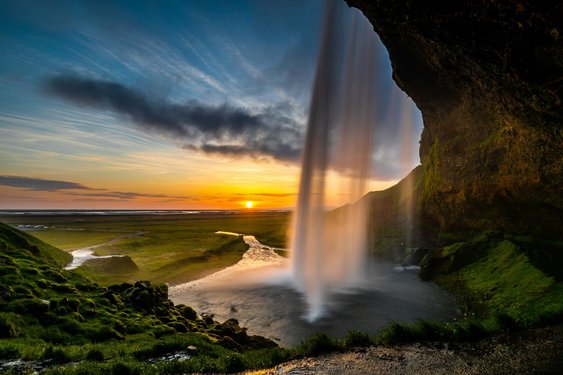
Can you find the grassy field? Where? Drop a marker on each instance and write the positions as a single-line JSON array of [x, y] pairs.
[[165, 248]]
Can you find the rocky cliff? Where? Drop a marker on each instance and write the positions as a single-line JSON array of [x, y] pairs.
[[488, 78]]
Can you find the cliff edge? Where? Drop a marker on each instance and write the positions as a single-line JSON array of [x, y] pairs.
[[488, 78]]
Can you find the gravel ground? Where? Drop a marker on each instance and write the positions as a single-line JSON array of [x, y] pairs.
[[538, 351]]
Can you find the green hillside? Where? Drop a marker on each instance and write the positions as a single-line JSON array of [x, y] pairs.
[[50, 316]]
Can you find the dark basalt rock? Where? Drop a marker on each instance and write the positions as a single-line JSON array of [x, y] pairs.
[[487, 76]]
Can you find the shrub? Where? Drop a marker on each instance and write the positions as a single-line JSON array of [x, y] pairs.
[[57, 355], [234, 363], [54, 335], [9, 352], [95, 355], [356, 339], [317, 344], [104, 334], [9, 325], [395, 333]]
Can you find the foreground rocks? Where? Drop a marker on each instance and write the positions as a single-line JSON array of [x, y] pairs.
[[531, 352]]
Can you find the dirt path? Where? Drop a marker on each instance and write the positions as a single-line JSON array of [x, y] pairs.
[[537, 351]]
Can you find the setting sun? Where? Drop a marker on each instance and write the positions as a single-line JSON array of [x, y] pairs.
[[248, 204]]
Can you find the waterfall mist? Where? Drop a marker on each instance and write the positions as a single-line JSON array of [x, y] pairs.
[[328, 251]]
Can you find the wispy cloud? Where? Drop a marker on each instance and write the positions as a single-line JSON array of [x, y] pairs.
[[77, 189], [129, 195], [39, 184], [222, 129]]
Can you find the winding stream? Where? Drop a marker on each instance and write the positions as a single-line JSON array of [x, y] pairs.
[[82, 255]]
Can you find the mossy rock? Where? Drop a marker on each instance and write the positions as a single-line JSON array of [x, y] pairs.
[[69, 324], [178, 326], [95, 355], [259, 342], [6, 293], [229, 343], [10, 271], [450, 259], [54, 276], [187, 312], [32, 306], [163, 330], [44, 284], [231, 328], [112, 298], [65, 288], [28, 271], [104, 334], [10, 325]]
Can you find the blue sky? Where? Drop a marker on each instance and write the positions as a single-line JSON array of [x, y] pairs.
[[249, 62]]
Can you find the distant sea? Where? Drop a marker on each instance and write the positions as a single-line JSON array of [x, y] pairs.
[[127, 212]]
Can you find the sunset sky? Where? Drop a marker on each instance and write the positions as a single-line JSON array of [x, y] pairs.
[[166, 104]]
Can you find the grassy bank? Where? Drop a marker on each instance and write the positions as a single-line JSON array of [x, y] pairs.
[[162, 248], [502, 282]]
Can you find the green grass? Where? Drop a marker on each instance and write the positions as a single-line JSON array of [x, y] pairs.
[[75, 239], [500, 283], [165, 248], [61, 316]]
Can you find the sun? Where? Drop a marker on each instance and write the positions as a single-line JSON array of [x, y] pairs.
[[249, 204]]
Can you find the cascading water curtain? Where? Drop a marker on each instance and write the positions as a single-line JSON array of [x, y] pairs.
[[328, 251]]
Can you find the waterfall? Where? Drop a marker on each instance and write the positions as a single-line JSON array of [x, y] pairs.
[[328, 250]]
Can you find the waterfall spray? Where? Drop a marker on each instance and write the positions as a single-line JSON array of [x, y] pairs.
[[329, 250]]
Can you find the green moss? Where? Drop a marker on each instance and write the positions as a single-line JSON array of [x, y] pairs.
[[12, 237], [431, 172], [497, 282]]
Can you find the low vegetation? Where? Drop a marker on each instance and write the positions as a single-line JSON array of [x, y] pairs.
[[50, 316], [61, 322], [162, 248]]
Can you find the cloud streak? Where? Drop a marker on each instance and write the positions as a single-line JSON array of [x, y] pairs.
[[221, 129], [39, 184]]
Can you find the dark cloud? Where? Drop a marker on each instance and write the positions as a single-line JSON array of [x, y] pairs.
[[40, 184], [211, 129]]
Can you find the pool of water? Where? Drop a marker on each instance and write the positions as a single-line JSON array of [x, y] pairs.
[[264, 301]]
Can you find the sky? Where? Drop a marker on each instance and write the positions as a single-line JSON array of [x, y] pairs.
[[168, 104]]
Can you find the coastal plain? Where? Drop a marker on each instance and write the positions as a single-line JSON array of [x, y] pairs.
[[161, 247]]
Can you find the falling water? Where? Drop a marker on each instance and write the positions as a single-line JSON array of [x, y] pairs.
[[329, 250]]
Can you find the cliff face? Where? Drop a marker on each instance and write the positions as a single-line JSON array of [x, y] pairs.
[[488, 78]]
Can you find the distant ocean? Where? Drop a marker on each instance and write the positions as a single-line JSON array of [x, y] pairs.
[[126, 212]]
